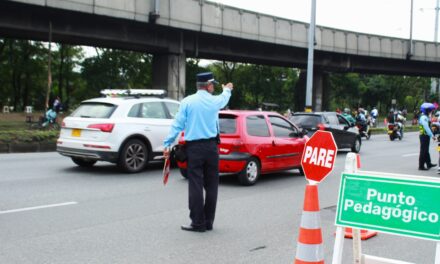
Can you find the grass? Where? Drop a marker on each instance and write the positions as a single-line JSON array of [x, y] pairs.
[[15, 129], [383, 130]]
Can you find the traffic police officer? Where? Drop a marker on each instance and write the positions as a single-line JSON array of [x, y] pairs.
[[198, 117], [425, 136]]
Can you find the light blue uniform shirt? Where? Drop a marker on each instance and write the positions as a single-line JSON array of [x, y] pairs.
[[424, 121], [198, 116]]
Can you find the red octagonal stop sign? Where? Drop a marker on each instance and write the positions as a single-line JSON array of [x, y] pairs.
[[319, 156]]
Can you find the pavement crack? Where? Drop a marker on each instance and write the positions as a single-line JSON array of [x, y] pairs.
[[257, 248]]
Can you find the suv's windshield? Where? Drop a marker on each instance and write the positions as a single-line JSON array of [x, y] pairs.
[[94, 110], [306, 121]]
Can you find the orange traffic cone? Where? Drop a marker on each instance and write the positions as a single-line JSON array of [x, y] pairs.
[[309, 249], [365, 234]]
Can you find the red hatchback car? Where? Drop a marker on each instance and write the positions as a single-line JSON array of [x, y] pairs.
[[255, 143]]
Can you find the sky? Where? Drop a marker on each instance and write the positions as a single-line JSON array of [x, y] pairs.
[[380, 17]]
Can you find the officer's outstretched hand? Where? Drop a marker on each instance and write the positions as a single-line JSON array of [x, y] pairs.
[[166, 153], [228, 85]]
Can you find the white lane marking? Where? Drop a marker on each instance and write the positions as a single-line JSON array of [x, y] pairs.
[[410, 155], [36, 207]]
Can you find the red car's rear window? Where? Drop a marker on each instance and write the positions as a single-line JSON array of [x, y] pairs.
[[228, 124]]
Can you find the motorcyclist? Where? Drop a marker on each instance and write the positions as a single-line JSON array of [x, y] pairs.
[[391, 118], [400, 121], [374, 115], [425, 135], [347, 115], [50, 117], [362, 122], [361, 118], [435, 128]]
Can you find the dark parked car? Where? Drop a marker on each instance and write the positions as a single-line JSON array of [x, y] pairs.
[[346, 135]]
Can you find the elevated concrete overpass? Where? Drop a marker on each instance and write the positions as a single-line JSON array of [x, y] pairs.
[[173, 30]]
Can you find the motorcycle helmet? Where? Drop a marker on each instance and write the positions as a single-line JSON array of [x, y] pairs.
[[426, 108], [347, 110]]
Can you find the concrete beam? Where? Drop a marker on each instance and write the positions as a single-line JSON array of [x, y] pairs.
[[169, 74], [27, 21]]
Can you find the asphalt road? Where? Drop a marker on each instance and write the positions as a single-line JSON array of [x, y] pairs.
[[54, 212]]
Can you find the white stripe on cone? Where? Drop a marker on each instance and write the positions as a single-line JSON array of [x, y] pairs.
[[309, 253], [310, 220]]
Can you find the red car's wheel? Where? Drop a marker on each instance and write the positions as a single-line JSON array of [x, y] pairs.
[[249, 175]]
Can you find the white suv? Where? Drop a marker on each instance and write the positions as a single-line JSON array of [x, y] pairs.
[[128, 131]]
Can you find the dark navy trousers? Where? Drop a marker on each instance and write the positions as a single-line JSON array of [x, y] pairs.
[[202, 171], [424, 157]]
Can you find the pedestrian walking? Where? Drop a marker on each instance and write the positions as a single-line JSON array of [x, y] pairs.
[[57, 104], [198, 117], [425, 136]]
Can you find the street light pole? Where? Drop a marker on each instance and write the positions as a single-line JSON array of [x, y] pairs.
[[410, 45], [309, 85], [436, 21], [436, 81]]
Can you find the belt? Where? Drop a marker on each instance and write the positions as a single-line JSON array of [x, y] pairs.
[[201, 140]]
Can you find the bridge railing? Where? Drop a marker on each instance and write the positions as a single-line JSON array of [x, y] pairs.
[[215, 18]]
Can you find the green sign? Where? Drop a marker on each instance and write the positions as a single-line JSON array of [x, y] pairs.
[[397, 204]]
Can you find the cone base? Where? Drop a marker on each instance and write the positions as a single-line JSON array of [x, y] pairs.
[[297, 261], [365, 234]]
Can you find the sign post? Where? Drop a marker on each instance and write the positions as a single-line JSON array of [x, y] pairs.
[[401, 205], [317, 162], [319, 156], [398, 204]]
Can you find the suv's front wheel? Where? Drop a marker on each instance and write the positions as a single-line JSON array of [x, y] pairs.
[[133, 156]]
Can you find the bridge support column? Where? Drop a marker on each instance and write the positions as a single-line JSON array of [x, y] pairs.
[[321, 89], [169, 74]]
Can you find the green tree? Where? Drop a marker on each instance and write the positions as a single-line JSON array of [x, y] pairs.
[[65, 70], [22, 78], [192, 69], [115, 69]]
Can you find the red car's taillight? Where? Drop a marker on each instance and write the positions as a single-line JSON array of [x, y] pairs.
[[237, 145], [103, 127]]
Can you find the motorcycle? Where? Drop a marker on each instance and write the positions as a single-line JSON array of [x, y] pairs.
[[435, 127], [364, 130], [395, 131], [373, 121]]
